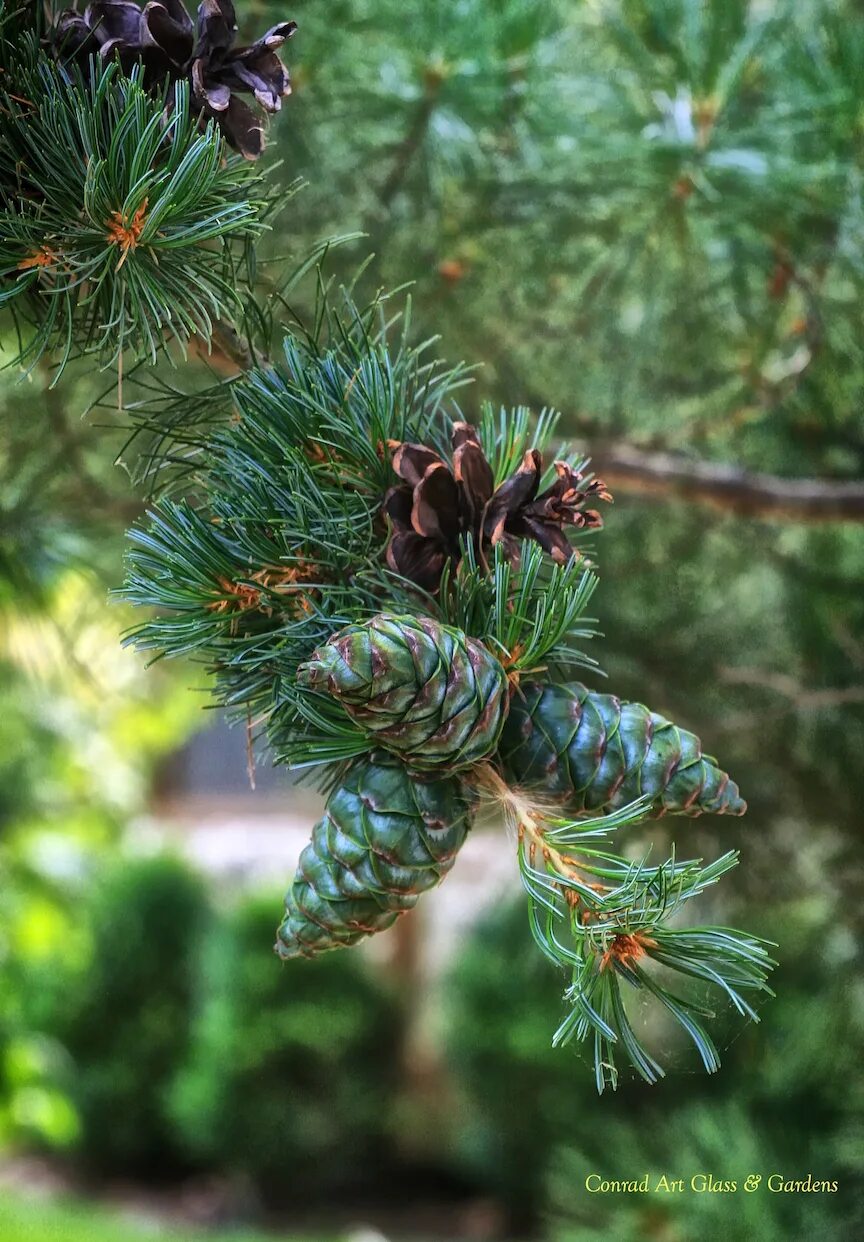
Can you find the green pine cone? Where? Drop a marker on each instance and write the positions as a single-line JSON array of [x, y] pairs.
[[600, 753], [421, 689], [387, 835]]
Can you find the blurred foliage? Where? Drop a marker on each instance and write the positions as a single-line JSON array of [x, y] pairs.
[[290, 1075], [755, 639], [22, 1220], [123, 1012], [81, 725], [62, 502], [531, 1126], [649, 215], [85, 721], [163, 1039], [724, 1144]]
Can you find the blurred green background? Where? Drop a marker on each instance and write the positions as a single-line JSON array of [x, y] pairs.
[[648, 215]]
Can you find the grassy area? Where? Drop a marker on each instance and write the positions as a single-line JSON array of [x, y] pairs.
[[71, 1221]]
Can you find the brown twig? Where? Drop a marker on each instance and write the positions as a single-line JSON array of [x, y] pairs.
[[800, 697], [529, 827], [726, 487], [410, 144]]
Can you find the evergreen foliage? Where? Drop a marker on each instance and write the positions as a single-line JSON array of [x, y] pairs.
[[605, 918], [772, 1106], [282, 546], [275, 575], [123, 225]]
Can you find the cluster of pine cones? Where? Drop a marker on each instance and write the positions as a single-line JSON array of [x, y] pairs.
[[434, 704]]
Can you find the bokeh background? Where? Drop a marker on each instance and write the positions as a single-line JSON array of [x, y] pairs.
[[648, 214]]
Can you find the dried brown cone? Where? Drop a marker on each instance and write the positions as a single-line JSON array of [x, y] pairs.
[[437, 503], [171, 47]]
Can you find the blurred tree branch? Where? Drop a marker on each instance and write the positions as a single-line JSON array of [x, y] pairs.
[[727, 487], [801, 698], [408, 148]]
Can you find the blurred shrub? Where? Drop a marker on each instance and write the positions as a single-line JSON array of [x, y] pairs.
[[717, 1146], [781, 1102], [33, 1108], [290, 1074], [124, 1014], [81, 725], [519, 1096]]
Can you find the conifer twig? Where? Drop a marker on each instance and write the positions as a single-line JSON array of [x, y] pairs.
[[605, 918]]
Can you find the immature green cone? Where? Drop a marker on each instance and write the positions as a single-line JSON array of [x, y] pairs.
[[599, 753], [387, 836], [419, 688]]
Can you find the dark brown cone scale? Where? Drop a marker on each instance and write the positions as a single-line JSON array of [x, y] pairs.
[[162, 37], [438, 503]]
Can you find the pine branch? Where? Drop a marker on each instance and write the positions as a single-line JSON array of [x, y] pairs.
[[605, 918], [274, 572], [122, 224], [278, 539], [278, 542]]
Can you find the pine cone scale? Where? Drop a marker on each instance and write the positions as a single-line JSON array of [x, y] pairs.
[[420, 689], [616, 753], [585, 760], [374, 852]]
